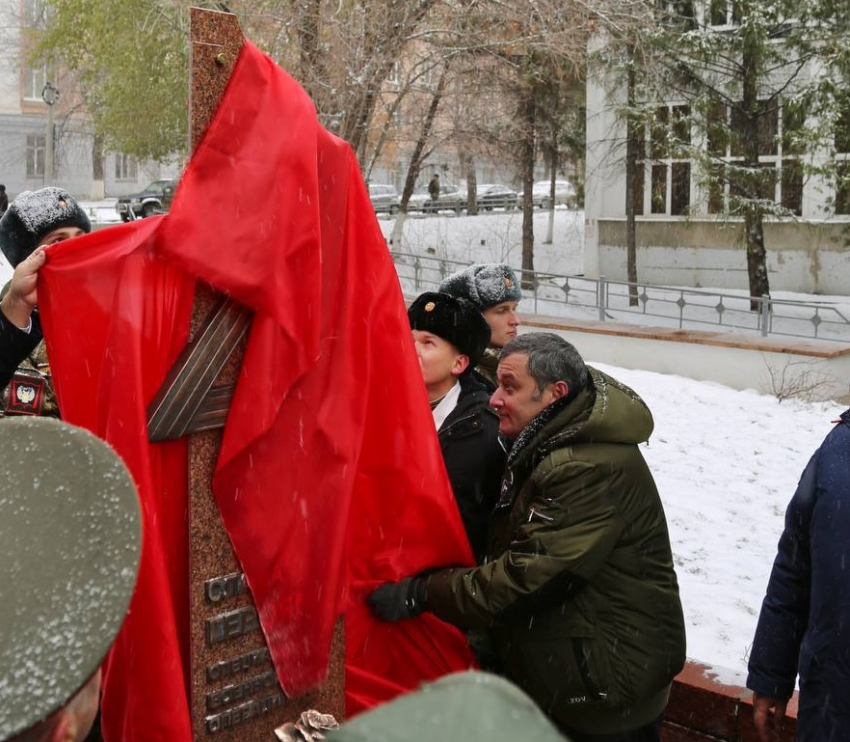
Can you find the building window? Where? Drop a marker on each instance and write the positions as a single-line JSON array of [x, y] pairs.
[[35, 155], [34, 14], [394, 78], [842, 130], [724, 13], [35, 79], [842, 188], [779, 178], [126, 167], [658, 181], [680, 188], [792, 186], [668, 164], [842, 157]]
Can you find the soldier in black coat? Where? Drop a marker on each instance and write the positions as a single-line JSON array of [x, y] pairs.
[[450, 336], [35, 220]]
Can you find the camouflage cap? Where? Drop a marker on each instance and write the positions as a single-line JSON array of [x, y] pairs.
[[70, 535]]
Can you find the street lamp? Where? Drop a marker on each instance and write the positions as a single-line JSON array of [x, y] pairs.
[[49, 94]]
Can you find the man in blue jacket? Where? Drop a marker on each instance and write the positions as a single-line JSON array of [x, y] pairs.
[[804, 626]]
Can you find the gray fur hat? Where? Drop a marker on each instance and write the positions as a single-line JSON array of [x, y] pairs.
[[32, 215], [484, 284], [454, 319], [70, 543]]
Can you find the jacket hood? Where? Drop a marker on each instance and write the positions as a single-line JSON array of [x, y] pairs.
[[606, 411]]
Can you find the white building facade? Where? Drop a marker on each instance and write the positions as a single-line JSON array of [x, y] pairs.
[[683, 236]]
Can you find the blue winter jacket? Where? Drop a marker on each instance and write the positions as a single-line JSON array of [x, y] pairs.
[[804, 626]]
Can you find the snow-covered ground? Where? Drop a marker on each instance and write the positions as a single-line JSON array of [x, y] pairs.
[[726, 463]]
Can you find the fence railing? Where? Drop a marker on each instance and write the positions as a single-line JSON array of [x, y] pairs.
[[620, 301]]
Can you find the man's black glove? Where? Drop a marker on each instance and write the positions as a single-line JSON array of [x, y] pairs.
[[394, 601]]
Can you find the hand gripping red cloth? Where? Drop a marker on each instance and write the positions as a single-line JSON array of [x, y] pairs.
[[330, 478]]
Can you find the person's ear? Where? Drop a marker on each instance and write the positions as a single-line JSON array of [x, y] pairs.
[[560, 389], [65, 729], [461, 363]]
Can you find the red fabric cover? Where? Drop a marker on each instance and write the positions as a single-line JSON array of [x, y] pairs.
[[330, 479]]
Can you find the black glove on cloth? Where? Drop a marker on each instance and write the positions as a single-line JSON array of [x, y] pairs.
[[394, 601]]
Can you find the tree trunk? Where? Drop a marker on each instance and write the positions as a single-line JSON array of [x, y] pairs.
[[553, 175], [417, 157], [633, 182], [98, 187], [756, 256], [312, 72], [755, 178], [468, 164], [528, 112]]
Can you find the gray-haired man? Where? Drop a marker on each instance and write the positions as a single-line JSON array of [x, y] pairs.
[[579, 593]]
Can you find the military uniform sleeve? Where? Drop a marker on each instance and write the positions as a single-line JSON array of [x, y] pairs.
[[561, 538], [15, 346]]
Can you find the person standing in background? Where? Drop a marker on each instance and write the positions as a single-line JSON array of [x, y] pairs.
[[4, 199], [434, 187], [493, 288]]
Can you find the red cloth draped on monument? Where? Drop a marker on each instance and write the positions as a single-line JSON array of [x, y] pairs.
[[330, 478]]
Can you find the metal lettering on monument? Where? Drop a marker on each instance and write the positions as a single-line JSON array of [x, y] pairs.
[[232, 624], [229, 586], [238, 665], [250, 710], [251, 688]]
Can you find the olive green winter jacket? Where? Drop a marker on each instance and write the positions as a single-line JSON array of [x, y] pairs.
[[580, 596], [488, 364]]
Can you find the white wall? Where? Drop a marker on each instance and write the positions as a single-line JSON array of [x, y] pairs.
[[757, 364]]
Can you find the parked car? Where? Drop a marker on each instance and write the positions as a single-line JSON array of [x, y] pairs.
[[494, 196], [450, 198], [384, 198], [565, 193], [155, 199]]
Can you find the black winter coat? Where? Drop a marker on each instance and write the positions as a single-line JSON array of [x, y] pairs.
[[474, 458], [804, 626], [16, 345]]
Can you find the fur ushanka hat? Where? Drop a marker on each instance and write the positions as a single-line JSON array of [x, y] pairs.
[[32, 215], [453, 319], [484, 284]]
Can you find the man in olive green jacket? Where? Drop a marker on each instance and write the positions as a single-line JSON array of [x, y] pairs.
[[579, 593]]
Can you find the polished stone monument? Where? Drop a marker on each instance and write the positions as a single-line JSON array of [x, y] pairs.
[[234, 692]]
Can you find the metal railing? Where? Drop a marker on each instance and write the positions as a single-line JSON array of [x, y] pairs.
[[606, 300]]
